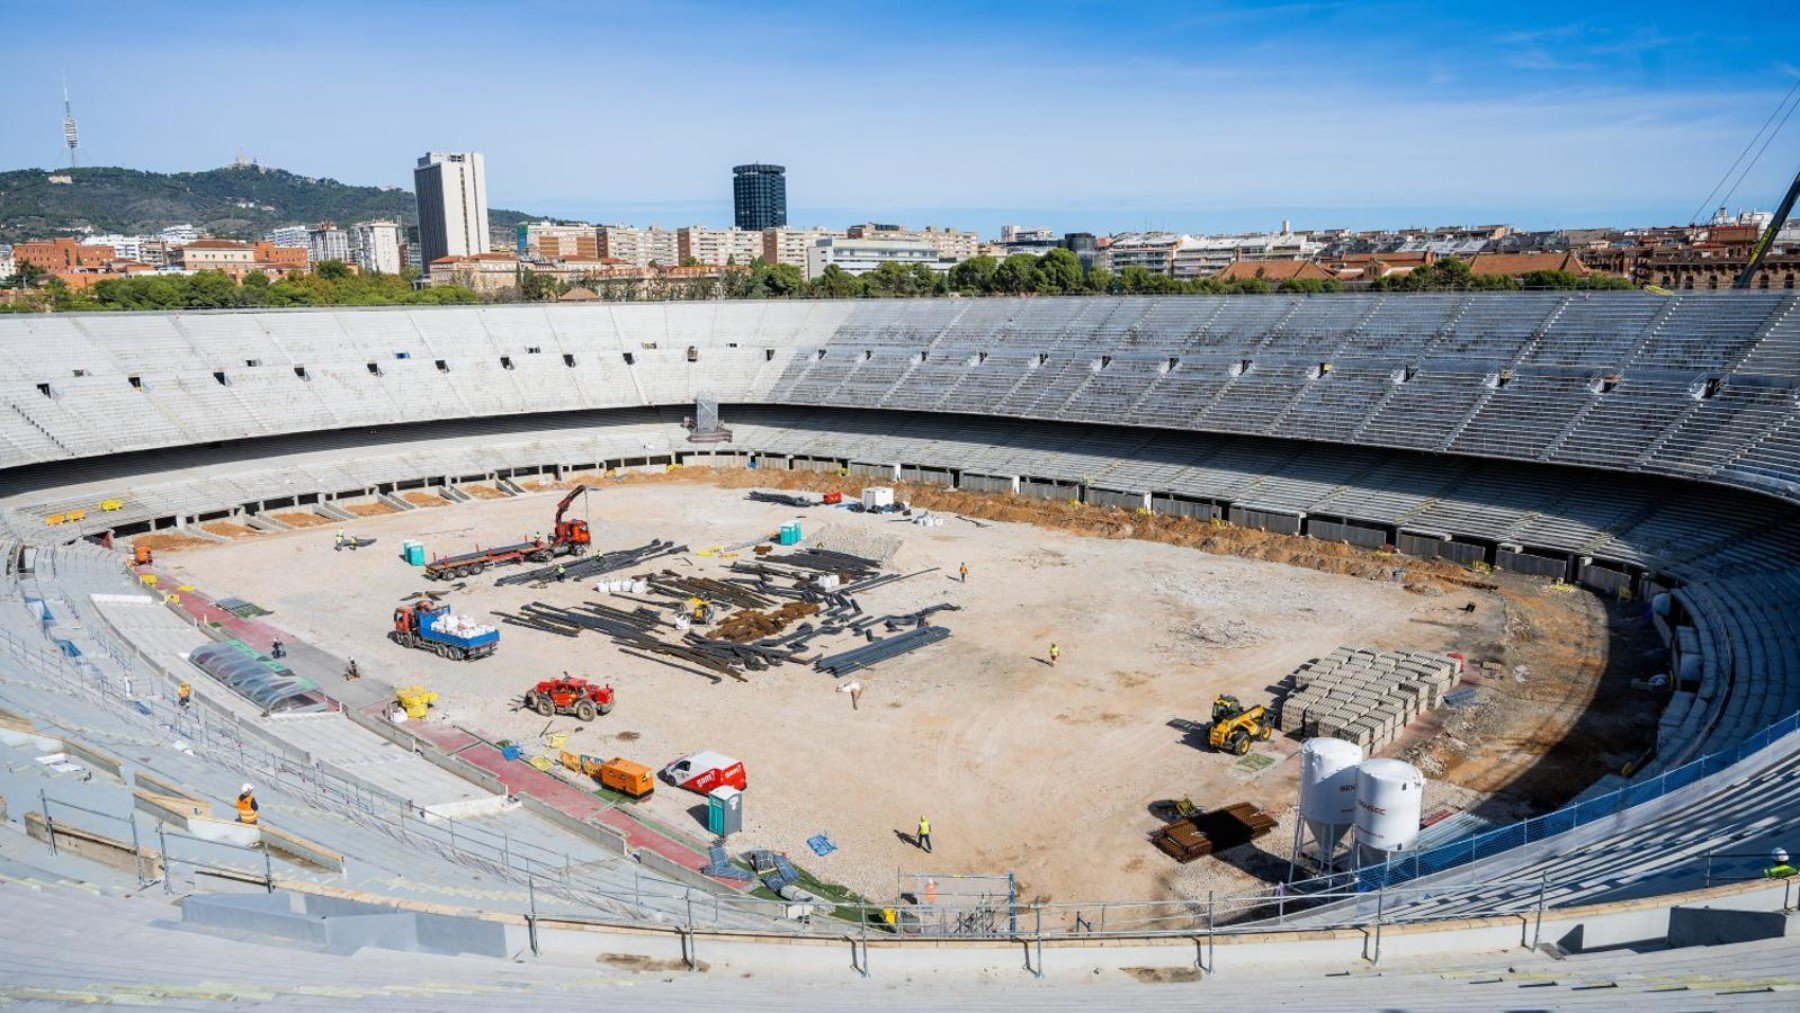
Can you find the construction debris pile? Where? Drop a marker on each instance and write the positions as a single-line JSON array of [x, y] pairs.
[[1366, 696], [782, 604], [751, 624], [593, 566]]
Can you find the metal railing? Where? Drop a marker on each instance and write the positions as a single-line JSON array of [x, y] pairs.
[[672, 904], [1504, 839]]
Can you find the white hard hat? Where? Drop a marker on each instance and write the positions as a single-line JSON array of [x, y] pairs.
[[1779, 854], [245, 790]]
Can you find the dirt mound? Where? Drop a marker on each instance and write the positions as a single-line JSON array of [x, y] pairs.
[[169, 541], [229, 529], [1425, 576], [424, 499], [301, 519]]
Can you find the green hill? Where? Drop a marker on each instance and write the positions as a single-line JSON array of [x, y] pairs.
[[238, 203]]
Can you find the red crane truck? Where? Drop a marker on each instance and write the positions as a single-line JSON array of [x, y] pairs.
[[568, 537]]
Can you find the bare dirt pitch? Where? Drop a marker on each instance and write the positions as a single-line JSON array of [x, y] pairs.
[[1044, 771]]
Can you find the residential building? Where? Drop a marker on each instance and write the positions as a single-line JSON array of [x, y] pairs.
[[717, 247], [759, 196], [240, 259], [7, 265], [639, 247], [279, 261], [951, 243], [550, 241], [486, 273], [58, 255], [287, 235], [789, 246], [1517, 265], [325, 241], [154, 252], [855, 255], [375, 247], [230, 256], [1275, 271], [179, 235], [1152, 251], [1010, 234], [124, 247], [1084, 246], [453, 212], [1202, 256]]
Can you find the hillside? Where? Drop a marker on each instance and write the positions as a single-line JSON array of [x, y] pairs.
[[235, 202]]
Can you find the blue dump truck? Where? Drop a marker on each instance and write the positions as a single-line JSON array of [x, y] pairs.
[[431, 626]]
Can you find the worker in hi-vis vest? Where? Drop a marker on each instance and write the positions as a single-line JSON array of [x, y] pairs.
[[247, 809], [925, 834]]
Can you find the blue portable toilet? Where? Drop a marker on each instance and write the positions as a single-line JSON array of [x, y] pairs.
[[725, 811], [413, 551]]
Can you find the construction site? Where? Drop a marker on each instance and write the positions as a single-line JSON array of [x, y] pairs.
[[1040, 680]]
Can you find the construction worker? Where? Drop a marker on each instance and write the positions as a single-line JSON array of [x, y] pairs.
[[352, 673], [247, 809], [338, 545], [277, 650], [963, 572], [184, 695], [1781, 869], [562, 573], [925, 835], [1055, 652]]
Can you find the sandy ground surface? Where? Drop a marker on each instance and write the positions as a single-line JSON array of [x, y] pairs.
[[1045, 771]]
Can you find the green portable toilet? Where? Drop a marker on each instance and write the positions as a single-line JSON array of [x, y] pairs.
[[725, 811]]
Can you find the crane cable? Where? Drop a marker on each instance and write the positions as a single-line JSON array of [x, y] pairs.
[[1792, 92]]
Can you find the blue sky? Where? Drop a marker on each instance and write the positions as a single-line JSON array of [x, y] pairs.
[[1075, 115]]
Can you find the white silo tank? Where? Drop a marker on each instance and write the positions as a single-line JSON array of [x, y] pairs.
[[1389, 796], [1328, 791]]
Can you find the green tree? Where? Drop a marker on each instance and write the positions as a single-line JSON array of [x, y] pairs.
[[1016, 275], [332, 270], [1059, 271], [836, 283], [975, 275]]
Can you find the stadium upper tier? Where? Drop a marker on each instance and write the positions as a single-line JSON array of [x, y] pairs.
[[1698, 386]]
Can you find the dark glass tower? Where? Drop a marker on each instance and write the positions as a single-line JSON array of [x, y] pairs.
[[759, 195]]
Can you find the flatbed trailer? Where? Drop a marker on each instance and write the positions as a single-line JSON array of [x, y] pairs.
[[567, 538]]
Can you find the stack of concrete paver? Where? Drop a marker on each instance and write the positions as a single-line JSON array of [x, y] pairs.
[[1365, 696]]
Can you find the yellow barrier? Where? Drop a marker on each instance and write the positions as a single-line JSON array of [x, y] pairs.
[[147, 579], [54, 519], [109, 505]]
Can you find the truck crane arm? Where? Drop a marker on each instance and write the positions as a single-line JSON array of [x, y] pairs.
[[1761, 250], [563, 507]]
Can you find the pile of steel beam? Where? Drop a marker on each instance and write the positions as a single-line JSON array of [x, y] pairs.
[[907, 621], [859, 658], [849, 567], [637, 631], [673, 584], [782, 498], [593, 566]]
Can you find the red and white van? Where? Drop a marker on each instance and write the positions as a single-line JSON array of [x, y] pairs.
[[703, 771]]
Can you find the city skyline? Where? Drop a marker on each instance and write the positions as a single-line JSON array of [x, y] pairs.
[[1068, 115]]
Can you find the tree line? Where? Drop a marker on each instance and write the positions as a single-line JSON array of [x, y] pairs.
[[330, 283]]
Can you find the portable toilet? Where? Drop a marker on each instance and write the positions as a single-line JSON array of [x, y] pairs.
[[724, 811], [790, 535], [413, 551]]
